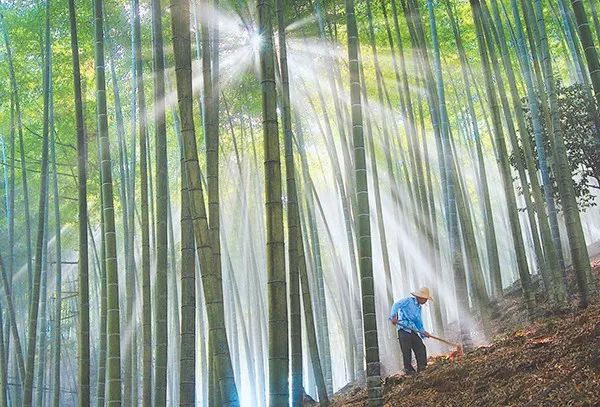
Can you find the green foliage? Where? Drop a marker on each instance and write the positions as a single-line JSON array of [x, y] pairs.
[[582, 138]]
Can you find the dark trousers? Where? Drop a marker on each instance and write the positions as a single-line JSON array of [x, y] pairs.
[[409, 343]]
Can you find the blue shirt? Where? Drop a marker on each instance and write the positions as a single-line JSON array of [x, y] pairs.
[[408, 312]]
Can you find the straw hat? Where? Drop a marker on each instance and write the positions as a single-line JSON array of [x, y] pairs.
[[422, 292]]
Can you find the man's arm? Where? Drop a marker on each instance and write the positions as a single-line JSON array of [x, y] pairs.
[[418, 321], [394, 313]]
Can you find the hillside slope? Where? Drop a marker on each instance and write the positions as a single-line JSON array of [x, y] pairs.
[[552, 361]]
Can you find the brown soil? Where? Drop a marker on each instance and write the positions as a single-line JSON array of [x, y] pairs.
[[550, 362]]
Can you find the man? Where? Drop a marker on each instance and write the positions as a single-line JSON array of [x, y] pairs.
[[406, 315]]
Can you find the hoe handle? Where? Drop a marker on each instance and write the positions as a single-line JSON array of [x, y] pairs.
[[444, 341]]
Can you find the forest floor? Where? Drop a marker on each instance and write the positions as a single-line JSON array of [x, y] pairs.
[[554, 360]]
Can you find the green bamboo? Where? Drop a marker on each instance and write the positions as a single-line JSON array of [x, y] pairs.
[[13, 322], [37, 275], [374, 388], [552, 276], [160, 287], [579, 252], [130, 349], [44, 316], [345, 319], [246, 332], [594, 11], [113, 383], [292, 218], [58, 264], [320, 307], [19, 117], [213, 291], [572, 46], [254, 287], [313, 237], [515, 226], [6, 329], [534, 40], [142, 130], [490, 234], [3, 366], [489, 30], [307, 301], [211, 139], [103, 308], [387, 153], [588, 44], [448, 168], [278, 344], [187, 364], [9, 193], [348, 203], [439, 316], [83, 335]]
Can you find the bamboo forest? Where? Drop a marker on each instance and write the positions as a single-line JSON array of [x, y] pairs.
[[279, 202]]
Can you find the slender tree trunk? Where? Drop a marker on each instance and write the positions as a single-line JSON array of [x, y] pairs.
[[187, 377], [5, 329], [595, 18], [251, 360], [13, 324], [83, 333], [307, 301], [387, 153], [35, 295], [18, 357], [347, 198], [26, 202], [320, 305], [213, 291], [489, 31], [534, 39], [579, 252], [133, 274], [142, 129], [43, 334], [3, 365], [346, 320], [130, 375], [113, 382], [162, 179], [490, 233], [323, 326], [551, 266], [57, 267], [515, 226], [572, 45], [439, 115], [174, 290], [278, 343], [552, 257], [432, 209], [589, 46], [293, 216], [211, 137], [364, 228], [103, 317]]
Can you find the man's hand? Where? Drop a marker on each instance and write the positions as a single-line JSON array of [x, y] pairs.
[[426, 334], [394, 320]]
